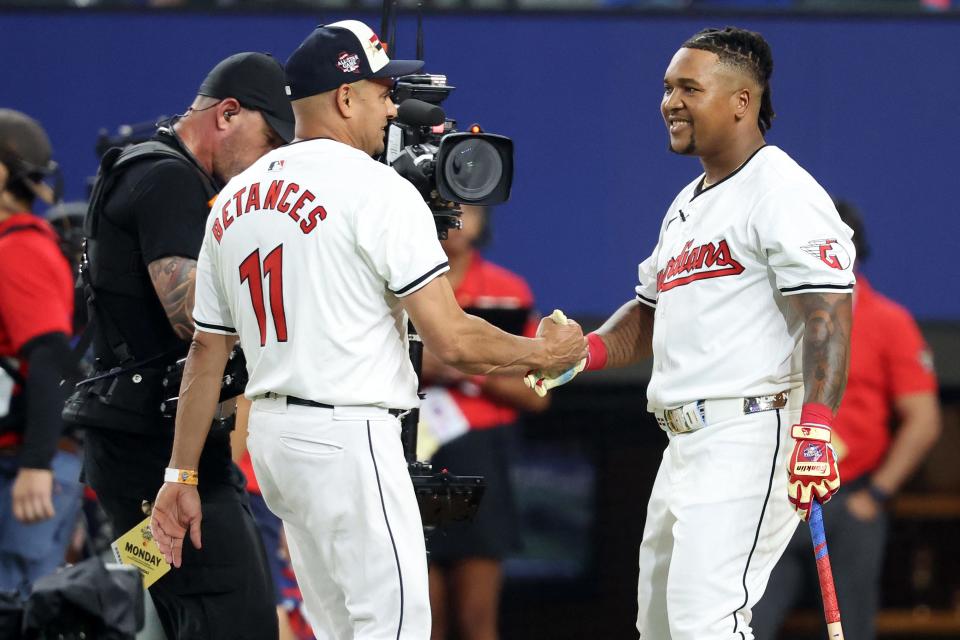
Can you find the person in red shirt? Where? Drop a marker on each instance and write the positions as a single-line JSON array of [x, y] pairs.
[[891, 379], [470, 418], [38, 468]]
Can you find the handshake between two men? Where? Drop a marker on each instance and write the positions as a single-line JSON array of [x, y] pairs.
[[812, 468], [541, 381]]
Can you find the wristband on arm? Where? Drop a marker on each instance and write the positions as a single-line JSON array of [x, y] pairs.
[[597, 352], [816, 422], [181, 476]]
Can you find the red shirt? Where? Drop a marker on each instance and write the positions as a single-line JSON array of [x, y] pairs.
[[36, 289], [36, 285], [888, 359], [488, 286]]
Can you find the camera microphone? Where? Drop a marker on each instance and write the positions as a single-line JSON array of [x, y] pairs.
[[418, 113]]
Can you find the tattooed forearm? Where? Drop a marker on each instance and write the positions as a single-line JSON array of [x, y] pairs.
[[174, 281], [628, 335], [826, 345]]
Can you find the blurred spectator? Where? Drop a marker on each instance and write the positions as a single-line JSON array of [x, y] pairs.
[[471, 418], [39, 491], [891, 375]]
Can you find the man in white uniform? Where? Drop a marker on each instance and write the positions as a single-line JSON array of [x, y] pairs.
[[745, 306], [314, 257]]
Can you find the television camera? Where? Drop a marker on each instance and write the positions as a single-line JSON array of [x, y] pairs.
[[448, 167]]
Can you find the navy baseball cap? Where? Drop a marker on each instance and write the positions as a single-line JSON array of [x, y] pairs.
[[256, 81], [340, 53]]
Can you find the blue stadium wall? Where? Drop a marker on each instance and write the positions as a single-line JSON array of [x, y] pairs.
[[867, 105]]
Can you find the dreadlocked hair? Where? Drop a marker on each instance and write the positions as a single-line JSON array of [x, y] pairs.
[[746, 50]]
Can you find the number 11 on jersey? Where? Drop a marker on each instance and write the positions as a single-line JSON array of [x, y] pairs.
[[253, 275]]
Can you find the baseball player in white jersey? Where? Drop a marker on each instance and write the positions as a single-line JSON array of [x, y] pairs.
[[314, 256], [744, 304]]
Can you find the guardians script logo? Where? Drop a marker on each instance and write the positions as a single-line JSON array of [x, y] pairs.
[[709, 260]]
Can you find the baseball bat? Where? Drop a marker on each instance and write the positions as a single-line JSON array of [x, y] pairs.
[[831, 610]]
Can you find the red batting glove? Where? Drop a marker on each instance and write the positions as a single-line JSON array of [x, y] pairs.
[[813, 462]]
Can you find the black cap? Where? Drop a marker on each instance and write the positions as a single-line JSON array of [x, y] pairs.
[[341, 53], [257, 82]]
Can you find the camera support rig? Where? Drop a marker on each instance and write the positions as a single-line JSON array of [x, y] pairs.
[[448, 168]]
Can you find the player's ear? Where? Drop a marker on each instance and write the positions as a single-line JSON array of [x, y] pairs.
[[4, 174], [344, 96], [742, 99]]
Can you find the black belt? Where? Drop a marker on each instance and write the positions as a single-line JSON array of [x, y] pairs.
[[311, 403]]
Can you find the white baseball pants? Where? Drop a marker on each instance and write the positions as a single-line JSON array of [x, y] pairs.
[[338, 480], [717, 522]]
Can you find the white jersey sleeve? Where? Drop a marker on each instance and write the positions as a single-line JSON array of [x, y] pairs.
[[399, 240], [647, 280], [808, 247], [210, 310]]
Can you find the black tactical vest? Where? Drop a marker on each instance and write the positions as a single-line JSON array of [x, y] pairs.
[[124, 394]]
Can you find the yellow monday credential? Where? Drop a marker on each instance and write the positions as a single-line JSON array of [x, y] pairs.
[[137, 548]]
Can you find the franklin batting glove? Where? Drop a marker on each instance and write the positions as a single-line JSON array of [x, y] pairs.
[[541, 384], [813, 470]]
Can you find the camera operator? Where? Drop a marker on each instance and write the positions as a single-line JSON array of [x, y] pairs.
[[144, 229], [317, 283], [39, 491]]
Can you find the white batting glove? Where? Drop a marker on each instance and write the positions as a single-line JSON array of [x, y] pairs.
[[540, 382]]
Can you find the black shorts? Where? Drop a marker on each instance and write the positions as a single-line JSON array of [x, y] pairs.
[[495, 531]]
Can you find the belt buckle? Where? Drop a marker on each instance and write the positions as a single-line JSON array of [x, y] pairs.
[[675, 421], [764, 403], [683, 419]]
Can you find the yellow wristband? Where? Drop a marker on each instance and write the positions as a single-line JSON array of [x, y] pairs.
[[181, 476]]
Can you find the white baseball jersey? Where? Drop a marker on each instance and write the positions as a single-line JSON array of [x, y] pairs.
[[305, 257], [727, 258]]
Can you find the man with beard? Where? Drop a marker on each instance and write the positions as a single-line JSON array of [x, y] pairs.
[[745, 306]]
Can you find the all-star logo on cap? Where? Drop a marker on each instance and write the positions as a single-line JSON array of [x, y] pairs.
[[348, 62]]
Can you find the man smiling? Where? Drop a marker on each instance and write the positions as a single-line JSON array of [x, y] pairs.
[[744, 305]]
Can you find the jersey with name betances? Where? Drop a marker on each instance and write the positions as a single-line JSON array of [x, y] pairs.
[[726, 261], [306, 256]]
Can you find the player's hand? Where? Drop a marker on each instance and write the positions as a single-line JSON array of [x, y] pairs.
[[813, 470], [32, 495], [175, 511], [565, 344]]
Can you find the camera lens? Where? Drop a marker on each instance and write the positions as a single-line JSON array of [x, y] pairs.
[[473, 169]]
